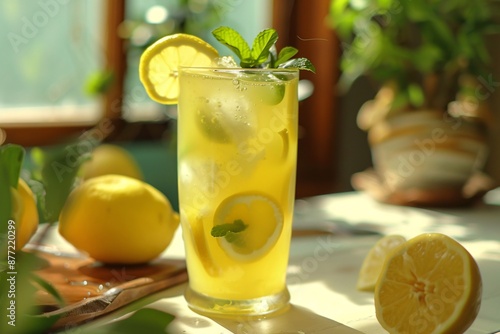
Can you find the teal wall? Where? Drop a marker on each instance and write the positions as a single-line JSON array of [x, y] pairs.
[[158, 163]]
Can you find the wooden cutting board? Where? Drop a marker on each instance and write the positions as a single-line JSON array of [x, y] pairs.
[[91, 289]]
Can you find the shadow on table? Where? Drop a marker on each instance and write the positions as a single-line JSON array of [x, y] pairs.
[[328, 261], [290, 321], [336, 261]]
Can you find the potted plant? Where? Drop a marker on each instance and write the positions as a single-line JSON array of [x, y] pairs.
[[427, 123]]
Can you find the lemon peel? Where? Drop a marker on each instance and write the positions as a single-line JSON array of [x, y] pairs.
[[160, 62], [119, 220], [110, 159]]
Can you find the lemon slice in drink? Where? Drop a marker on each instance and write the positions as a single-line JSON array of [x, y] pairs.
[[160, 63], [253, 223], [429, 284], [374, 261]]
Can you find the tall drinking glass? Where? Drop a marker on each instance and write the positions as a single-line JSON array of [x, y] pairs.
[[237, 154]]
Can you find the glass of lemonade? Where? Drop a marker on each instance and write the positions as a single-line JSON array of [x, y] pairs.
[[237, 153]]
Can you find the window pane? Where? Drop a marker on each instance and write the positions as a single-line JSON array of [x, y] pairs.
[[50, 49], [148, 20]]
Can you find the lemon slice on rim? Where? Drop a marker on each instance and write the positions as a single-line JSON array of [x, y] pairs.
[[262, 221], [160, 63], [429, 284]]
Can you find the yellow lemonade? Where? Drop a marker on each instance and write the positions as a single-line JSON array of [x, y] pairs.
[[237, 152]]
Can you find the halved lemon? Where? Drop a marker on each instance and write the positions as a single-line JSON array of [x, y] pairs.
[[429, 284], [262, 221], [374, 261], [159, 64]]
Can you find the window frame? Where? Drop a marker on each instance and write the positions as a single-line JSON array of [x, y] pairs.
[[303, 25], [299, 24], [49, 133]]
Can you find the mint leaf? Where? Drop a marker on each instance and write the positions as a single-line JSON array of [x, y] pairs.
[[285, 54], [235, 239], [263, 53], [300, 63], [234, 41], [262, 44], [224, 229]]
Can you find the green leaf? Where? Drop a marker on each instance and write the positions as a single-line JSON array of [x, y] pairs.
[[49, 289], [234, 41], [5, 206], [263, 52], [235, 238], [400, 101], [248, 63], [419, 11], [427, 57], [23, 298], [386, 4], [416, 95], [344, 24], [223, 229], [442, 31], [273, 56], [285, 54], [299, 63], [145, 320], [262, 44], [11, 160], [99, 82], [338, 7], [12, 157], [360, 4], [37, 157], [61, 165], [58, 176]]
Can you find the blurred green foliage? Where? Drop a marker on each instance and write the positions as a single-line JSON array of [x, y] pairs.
[[415, 44]]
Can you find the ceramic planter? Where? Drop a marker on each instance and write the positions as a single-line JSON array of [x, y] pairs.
[[424, 149], [424, 157]]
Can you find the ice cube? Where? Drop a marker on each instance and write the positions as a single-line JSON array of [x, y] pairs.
[[267, 87], [193, 175], [226, 118], [225, 62]]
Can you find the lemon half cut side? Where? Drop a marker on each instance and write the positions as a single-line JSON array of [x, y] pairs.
[[430, 284], [159, 64], [263, 219]]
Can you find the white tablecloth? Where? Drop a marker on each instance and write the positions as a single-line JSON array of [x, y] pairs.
[[323, 268]]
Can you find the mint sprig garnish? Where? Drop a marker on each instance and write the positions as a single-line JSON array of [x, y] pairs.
[[228, 230], [263, 53]]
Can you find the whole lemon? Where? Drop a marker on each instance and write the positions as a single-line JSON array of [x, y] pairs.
[[25, 213], [110, 159], [117, 219]]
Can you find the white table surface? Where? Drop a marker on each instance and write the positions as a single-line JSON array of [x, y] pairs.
[[323, 269]]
